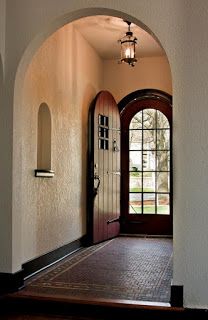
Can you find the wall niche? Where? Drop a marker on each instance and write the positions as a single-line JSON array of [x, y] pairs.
[[44, 143]]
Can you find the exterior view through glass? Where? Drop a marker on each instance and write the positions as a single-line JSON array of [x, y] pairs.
[[149, 163]]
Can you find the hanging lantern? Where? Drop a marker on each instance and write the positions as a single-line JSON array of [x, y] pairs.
[[128, 47]]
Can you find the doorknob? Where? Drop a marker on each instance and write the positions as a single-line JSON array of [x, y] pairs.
[[96, 184]]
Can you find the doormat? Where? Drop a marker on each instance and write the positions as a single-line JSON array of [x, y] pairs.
[[127, 268]]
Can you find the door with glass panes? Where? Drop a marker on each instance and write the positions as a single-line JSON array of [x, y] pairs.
[[103, 169], [146, 167]]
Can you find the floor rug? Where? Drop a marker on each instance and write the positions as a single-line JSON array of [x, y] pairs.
[[129, 268]]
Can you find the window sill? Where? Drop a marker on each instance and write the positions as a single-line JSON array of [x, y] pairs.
[[40, 173]]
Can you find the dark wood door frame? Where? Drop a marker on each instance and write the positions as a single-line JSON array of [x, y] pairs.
[[128, 106]]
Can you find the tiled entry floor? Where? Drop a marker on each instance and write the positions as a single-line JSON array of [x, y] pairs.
[[129, 268]]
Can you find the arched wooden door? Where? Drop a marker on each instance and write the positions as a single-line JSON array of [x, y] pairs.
[[146, 163], [104, 169]]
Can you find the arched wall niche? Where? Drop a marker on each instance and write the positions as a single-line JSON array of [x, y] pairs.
[[44, 138]]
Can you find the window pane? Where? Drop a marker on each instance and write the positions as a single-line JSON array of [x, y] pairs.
[[149, 139], [135, 182], [163, 181], [163, 204], [162, 121], [149, 160], [163, 160], [136, 122], [103, 132], [149, 176], [135, 139], [135, 160], [149, 182], [149, 119], [149, 203], [163, 139], [135, 203]]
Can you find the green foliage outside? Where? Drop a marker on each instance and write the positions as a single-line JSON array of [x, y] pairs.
[[136, 189], [163, 209]]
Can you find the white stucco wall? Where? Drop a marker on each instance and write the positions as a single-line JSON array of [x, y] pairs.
[[181, 26], [6, 156], [66, 74], [148, 73], [190, 153]]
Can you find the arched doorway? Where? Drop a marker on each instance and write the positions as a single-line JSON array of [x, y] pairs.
[[69, 119], [174, 36], [39, 198], [146, 163]]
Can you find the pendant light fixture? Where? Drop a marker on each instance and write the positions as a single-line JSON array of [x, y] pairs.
[[128, 47]]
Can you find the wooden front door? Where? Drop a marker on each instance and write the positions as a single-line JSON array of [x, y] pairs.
[[104, 169]]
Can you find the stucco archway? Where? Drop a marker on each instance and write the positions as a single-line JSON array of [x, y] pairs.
[[21, 71], [182, 30]]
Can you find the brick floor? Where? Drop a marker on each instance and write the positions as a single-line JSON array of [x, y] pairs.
[[129, 268]]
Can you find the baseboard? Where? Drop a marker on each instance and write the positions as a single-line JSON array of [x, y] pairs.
[[35, 265], [176, 296], [10, 282], [139, 235]]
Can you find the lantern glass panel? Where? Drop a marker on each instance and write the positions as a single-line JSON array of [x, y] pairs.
[[127, 49]]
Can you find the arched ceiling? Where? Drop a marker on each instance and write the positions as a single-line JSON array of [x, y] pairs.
[[103, 32]]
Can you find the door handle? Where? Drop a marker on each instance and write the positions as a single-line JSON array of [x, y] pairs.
[[96, 184]]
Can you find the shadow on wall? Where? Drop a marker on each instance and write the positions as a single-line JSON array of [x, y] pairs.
[[89, 95]]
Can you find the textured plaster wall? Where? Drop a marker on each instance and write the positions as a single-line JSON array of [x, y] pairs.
[[190, 155], [181, 26], [65, 73], [5, 157], [151, 72]]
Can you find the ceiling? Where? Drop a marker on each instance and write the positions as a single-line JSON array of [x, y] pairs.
[[103, 32]]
